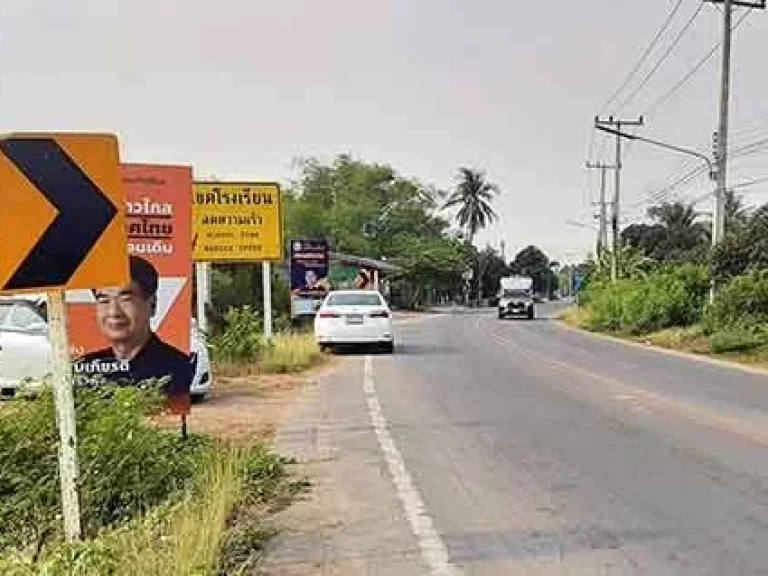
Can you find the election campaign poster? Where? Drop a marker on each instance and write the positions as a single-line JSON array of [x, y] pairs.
[[142, 331], [309, 275]]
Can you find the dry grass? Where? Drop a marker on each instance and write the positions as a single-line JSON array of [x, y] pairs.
[[221, 529], [689, 339], [188, 541], [289, 353], [575, 316]]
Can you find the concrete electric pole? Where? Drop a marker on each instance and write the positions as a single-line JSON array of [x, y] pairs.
[[602, 235], [725, 97], [616, 244]]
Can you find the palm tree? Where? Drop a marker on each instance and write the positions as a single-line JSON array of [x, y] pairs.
[[683, 230], [736, 213], [473, 195], [632, 263]]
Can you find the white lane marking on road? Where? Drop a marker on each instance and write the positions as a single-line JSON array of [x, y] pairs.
[[434, 552]]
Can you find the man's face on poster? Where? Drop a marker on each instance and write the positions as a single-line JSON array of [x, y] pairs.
[[124, 313], [311, 278]]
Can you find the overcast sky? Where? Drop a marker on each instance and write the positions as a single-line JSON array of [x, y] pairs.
[[240, 89]]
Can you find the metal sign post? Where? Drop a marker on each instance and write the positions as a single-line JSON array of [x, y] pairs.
[[266, 279], [65, 414]]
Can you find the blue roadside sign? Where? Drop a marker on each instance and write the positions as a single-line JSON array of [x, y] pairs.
[[578, 280]]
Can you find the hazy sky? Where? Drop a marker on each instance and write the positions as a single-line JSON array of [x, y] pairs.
[[241, 88]]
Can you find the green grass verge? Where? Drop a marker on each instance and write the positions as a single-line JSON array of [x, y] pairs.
[[737, 344], [219, 527]]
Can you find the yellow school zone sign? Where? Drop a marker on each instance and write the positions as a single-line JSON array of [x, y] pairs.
[[237, 222]]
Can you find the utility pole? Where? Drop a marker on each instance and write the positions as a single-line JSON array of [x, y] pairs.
[[725, 97], [602, 235], [618, 124]]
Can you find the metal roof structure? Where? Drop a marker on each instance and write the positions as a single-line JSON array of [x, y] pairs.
[[370, 263]]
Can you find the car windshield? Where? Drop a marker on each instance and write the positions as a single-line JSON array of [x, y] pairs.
[[516, 294], [347, 299]]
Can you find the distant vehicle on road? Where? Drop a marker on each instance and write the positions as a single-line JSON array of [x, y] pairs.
[[516, 298], [26, 354], [354, 317]]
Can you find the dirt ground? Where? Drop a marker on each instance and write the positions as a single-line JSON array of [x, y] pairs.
[[244, 409]]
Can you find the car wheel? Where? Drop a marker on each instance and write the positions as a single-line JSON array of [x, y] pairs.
[[200, 397], [531, 315]]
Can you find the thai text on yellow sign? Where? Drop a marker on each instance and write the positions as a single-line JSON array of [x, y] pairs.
[[236, 222]]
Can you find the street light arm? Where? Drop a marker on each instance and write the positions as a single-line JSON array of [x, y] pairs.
[[693, 153], [580, 225]]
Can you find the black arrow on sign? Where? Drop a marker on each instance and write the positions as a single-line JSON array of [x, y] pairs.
[[84, 213]]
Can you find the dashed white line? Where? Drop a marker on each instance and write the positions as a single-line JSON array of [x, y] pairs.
[[434, 552]]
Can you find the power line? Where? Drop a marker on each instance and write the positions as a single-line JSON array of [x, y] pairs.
[[758, 124], [686, 170], [749, 183], [673, 183], [663, 59], [645, 55], [701, 198], [699, 65]]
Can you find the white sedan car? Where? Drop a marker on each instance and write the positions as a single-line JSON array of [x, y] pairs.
[[25, 349], [354, 317]]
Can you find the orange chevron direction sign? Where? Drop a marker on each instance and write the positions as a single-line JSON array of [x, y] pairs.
[[62, 213]]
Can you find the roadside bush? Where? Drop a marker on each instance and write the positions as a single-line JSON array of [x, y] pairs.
[[126, 465], [743, 301], [602, 303], [664, 299], [241, 337], [737, 339]]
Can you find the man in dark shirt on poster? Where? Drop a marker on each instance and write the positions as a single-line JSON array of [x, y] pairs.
[[136, 354]]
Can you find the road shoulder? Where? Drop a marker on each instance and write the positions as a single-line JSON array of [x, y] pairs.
[[351, 522]]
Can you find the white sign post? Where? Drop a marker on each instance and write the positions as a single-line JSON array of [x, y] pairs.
[[65, 414], [266, 279], [203, 294]]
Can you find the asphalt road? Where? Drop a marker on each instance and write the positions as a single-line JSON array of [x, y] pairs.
[[522, 447]]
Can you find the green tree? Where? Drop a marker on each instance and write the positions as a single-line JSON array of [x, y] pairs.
[[649, 239], [743, 249], [432, 268], [532, 261], [736, 213], [473, 197], [370, 210], [488, 267], [361, 208], [684, 233]]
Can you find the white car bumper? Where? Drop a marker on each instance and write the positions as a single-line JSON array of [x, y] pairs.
[[337, 331]]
